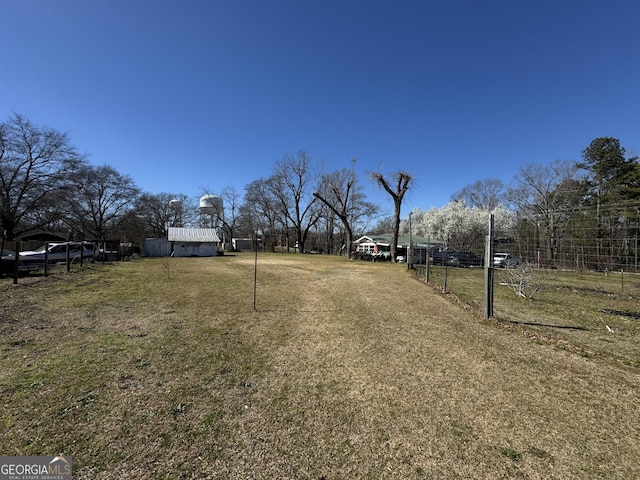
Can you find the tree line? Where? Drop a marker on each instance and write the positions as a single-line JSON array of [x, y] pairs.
[[582, 213], [47, 185], [594, 203]]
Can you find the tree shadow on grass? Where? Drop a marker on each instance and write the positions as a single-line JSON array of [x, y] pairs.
[[533, 324], [622, 313]]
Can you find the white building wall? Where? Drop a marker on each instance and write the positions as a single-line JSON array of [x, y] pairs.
[[192, 249], [157, 247]]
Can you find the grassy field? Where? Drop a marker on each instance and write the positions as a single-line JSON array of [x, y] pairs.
[[162, 369], [573, 308]]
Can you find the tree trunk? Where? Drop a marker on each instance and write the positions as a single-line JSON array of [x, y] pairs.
[[402, 185], [397, 203]]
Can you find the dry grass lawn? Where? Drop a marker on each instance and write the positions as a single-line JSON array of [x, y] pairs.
[[162, 369]]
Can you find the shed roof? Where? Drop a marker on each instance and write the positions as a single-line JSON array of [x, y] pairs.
[[206, 235]]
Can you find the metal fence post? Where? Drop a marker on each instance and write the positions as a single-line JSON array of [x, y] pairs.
[[426, 260], [488, 272], [16, 263]]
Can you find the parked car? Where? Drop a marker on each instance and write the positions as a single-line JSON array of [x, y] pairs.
[[505, 260], [439, 257], [57, 253], [465, 259], [455, 259], [7, 262]]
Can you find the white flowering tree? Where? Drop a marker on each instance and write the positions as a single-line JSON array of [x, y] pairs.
[[462, 227]]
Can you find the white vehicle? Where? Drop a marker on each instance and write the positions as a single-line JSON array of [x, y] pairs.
[[57, 253], [505, 260]]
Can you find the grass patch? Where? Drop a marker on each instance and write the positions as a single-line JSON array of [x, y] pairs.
[[346, 370], [573, 309], [511, 454]]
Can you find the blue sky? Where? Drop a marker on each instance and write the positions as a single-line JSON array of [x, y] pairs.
[[199, 94]]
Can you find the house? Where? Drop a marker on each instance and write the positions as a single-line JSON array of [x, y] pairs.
[[381, 243], [193, 242]]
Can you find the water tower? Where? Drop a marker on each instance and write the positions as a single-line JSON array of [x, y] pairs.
[[211, 210]]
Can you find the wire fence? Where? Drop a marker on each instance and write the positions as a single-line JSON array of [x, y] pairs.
[[23, 258], [559, 252], [603, 238]]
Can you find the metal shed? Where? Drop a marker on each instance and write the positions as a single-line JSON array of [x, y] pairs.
[[193, 242]]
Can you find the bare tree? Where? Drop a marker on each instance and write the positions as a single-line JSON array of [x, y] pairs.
[[547, 196], [400, 181], [35, 164], [292, 186], [340, 193], [158, 212], [261, 212], [484, 194], [384, 225], [102, 199], [526, 280], [232, 201]]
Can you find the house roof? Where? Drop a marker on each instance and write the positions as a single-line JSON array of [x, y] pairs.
[[45, 235], [202, 235], [403, 240]]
